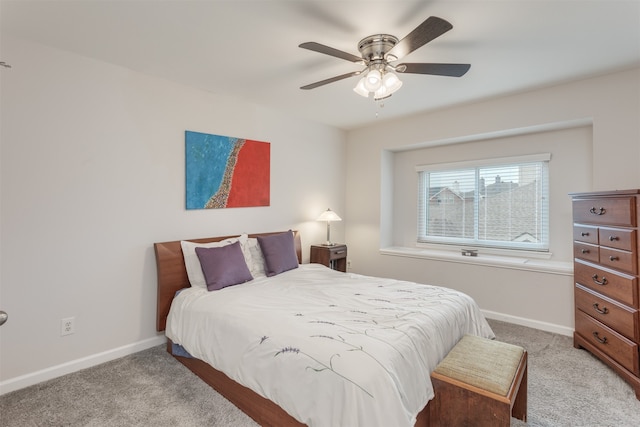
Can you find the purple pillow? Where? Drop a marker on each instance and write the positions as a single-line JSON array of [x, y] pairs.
[[223, 266], [279, 253]]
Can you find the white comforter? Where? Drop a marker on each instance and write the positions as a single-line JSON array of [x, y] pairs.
[[332, 349]]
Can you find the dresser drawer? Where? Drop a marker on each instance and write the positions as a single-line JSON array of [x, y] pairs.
[[620, 260], [617, 285], [585, 233], [618, 238], [619, 317], [586, 251], [606, 210], [623, 350]]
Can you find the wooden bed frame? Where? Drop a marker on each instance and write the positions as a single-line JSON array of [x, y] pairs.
[[172, 276]]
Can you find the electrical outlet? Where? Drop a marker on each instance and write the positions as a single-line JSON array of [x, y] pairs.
[[67, 326], [348, 264]]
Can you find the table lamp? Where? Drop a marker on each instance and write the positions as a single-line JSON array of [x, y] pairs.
[[329, 216]]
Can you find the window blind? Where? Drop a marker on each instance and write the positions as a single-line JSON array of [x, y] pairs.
[[494, 203]]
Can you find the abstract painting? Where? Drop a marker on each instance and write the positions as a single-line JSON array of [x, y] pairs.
[[226, 172]]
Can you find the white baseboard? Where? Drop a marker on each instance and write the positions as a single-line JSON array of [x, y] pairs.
[[536, 324], [27, 380]]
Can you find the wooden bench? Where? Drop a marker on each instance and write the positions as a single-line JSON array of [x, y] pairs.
[[480, 382]]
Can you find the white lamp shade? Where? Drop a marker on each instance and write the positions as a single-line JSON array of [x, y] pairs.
[[372, 80], [329, 215], [381, 93], [360, 89], [391, 82]]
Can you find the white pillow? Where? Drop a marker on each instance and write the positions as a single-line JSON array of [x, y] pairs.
[[192, 262], [256, 267]]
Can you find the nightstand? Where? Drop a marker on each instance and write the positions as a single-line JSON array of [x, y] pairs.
[[334, 257]]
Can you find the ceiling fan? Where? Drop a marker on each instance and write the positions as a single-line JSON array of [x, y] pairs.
[[380, 50]]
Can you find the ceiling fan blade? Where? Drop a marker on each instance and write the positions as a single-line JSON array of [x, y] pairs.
[[451, 70], [317, 47], [331, 80], [430, 29]]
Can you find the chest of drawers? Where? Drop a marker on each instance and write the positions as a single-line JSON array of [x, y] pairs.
[[606, 249]]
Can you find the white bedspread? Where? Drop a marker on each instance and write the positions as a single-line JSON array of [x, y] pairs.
[[332, 349]]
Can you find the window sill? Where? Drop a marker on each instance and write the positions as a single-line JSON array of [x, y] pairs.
[[509, 262]]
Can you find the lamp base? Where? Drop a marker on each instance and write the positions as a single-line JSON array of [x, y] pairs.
[[328, 244]]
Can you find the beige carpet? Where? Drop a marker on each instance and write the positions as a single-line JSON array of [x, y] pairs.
[[567, 387]]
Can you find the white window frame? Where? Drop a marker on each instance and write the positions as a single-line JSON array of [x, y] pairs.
[[423, 240]]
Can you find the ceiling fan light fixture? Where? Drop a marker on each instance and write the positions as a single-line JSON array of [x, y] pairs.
[[390, 85], [360, 89], [381, 93], [391, 82], [373, 80], [387, 84]]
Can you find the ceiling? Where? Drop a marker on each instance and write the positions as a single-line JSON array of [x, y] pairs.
[[249, 49]]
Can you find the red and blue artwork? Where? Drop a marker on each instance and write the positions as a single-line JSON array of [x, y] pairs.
[[226, 172]]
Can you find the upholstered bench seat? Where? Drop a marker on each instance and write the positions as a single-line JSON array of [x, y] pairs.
[[481, 382]]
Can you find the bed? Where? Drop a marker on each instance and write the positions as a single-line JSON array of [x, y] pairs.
[[303, 344]]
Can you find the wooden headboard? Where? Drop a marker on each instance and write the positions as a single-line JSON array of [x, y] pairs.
[[172, 274]]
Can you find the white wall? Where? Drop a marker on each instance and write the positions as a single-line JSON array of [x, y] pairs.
[[92, 174], [608, 105]]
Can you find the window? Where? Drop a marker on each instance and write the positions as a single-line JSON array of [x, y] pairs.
[[499, 203]]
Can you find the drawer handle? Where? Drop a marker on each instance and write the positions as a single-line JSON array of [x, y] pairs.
[[339, 252], [613, 238], [585, 251], [599, 282], [597, 308], [602, 340], [595, 211], [613, 258], [584, 234]]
